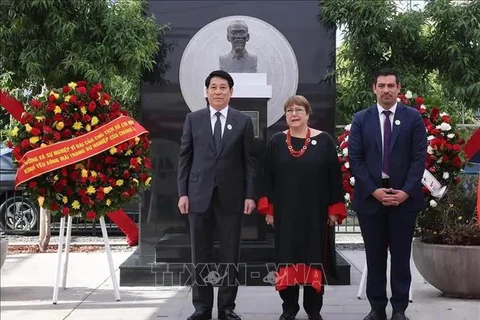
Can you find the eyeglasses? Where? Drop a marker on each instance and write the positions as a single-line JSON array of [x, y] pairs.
[[296, 110]]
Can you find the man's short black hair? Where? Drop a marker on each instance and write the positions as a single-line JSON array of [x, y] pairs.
[[386, 72], [221, 74]]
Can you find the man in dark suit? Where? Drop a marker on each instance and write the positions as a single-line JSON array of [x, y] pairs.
[[387, 148], [216, 171]]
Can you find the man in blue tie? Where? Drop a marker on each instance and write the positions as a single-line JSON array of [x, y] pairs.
[[387, 149]]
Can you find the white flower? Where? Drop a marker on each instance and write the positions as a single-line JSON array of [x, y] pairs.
[[443, 114], [398, 99], [430, 150], [423, 107], [347, 127], [352, 181], [347, 196], [430, 137], [446, 175], [450, 135], [347, 165], [346, 138], [409, 94], [445, 126], [345, 152], [433, 203]]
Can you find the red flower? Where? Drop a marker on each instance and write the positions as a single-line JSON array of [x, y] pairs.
[[419, 100], [54, 206], [82, 83], [91, 215], [65, 211], [65, 89], [32, 184], [81, 90], [92, 106]]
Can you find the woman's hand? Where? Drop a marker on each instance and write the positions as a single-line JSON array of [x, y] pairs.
[[269, 219], [332, 219]]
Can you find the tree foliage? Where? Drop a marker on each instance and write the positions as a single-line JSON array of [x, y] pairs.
[[54, 42], [432, 50]]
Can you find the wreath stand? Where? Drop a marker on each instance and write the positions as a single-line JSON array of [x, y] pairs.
[[62, 272]]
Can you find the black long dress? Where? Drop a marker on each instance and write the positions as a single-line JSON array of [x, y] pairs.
[[302, 191]]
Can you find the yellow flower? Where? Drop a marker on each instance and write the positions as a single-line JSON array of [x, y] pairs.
[[76, 205], [14, 132], [72, 85], [88, 127], [107, 102], [77, 125], [94, 121], [460, 218], [43, 145], [113, 150], [83, 110], [129, 152], [57, 110], [28, 127], [55, 178], [93, 174], [60, 125], [109, 202], [79, 166], [147, 182], [40, 118], [91, 190], [139, 160], [84, 173], [119, 183], [137, 140], [107, 190], [34, 140], [54, 94], [65, 200], [67, 98], [136, 181], [40, 201]]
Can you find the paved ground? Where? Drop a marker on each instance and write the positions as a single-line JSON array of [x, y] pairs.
[[27, 279]]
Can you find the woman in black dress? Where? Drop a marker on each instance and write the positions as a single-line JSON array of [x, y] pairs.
[[303, 197]]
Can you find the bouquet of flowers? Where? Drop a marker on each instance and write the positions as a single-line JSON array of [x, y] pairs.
[[79, 152]]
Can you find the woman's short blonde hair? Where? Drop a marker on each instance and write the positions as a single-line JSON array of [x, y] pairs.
[[299, 101]]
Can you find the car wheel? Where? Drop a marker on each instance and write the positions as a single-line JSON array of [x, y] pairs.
[[19, 213]]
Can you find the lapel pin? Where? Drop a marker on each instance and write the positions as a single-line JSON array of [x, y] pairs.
[[397, 122], [314, 142], [229, 127]]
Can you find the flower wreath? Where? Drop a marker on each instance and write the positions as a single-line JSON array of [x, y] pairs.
[[444, 158], [96, 185]]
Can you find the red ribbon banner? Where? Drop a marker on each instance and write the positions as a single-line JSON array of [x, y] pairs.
[[55, 156]]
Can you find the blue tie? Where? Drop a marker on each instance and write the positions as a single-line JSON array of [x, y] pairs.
[[217, 132], [387, 132]]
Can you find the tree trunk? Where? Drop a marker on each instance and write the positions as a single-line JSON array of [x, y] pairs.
[[45, 230]]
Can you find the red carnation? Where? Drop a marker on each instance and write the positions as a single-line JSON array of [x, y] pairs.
[[65, 211], [86, 118], [32, 184], [81, 90], [92, 106], [419, 100], [35, 132], [54, 206], [9, 144], [42, 191], [65, 89]]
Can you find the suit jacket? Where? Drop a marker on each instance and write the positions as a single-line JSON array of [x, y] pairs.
[[232, 170], [408, 148]]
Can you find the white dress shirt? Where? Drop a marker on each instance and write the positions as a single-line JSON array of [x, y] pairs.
[[382, 116], [223, 118]]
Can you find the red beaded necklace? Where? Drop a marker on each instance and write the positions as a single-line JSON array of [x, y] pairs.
[[294, 153]]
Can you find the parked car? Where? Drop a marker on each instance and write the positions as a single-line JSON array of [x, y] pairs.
[[18, 214]]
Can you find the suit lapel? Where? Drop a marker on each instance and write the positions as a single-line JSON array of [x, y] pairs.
[[229, 128], [375, 120], [398, 120], [207, 123]]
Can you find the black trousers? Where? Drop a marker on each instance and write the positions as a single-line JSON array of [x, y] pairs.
[[312, 301], [389, 229], [208, 274]]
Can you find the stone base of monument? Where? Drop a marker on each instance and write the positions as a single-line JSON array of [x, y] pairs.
[[170, 265]]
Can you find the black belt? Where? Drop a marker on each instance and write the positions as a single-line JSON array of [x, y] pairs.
[[386, 183]]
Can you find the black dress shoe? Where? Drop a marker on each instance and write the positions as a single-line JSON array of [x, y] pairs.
[[376, 315], [228, 314], [315, 317], [201, 315], [399, 316], [287, 316]]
